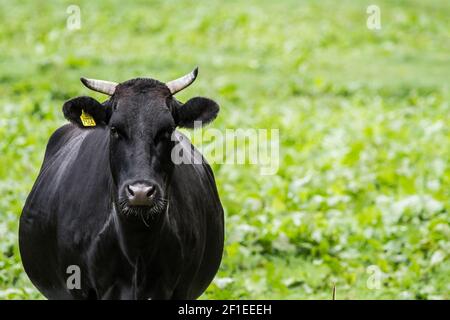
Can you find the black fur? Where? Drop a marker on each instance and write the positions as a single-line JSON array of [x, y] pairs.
[[196, 109], [78, 212], [73, 107], [199, 109]]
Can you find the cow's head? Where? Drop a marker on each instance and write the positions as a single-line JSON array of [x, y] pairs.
[[141, 116]]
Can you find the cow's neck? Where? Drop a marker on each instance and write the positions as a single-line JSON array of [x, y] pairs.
[[137, 237]]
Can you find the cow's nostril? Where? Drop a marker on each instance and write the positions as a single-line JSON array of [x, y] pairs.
[[130, 190], [141, 194], [151, 191]]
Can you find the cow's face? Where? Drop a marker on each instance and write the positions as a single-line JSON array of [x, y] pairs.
[[141, 128], [141, 117]]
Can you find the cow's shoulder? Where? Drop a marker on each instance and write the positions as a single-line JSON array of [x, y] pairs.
[[59, 138], [198, 170]]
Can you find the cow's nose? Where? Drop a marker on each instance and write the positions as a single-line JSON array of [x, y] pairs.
[[140, 194]]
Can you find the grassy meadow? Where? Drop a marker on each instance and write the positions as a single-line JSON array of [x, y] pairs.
[[361, 198]]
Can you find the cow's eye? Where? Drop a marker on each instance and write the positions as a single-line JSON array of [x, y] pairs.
[[115, 133], [163, 135]]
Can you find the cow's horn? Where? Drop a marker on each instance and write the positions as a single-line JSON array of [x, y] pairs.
[[183, 82], [106, 87]]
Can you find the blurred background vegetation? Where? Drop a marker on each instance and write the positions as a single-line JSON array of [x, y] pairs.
[[364, 178]]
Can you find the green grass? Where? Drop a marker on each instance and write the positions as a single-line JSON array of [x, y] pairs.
[[364, 121]]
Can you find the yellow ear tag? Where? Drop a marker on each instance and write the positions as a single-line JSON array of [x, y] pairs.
[[87, 119]]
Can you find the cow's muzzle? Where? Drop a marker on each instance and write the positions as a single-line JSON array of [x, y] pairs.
[[141, 194]]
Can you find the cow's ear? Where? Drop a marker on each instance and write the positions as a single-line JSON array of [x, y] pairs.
[[196, 110], [86, 112]]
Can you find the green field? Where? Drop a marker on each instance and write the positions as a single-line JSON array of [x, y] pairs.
[[364, 177]]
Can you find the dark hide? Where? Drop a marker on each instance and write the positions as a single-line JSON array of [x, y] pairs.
[[76, 215]]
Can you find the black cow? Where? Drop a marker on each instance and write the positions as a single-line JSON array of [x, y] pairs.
[[111, 202]]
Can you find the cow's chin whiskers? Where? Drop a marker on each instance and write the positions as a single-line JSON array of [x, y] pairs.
[[147, 215]]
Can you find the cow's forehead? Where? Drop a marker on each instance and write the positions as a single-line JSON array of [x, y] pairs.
[[149, 110], [140, 93], [148, 102], [141, 85]]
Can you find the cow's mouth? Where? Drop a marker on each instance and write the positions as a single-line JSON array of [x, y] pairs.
[[145, 213]]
